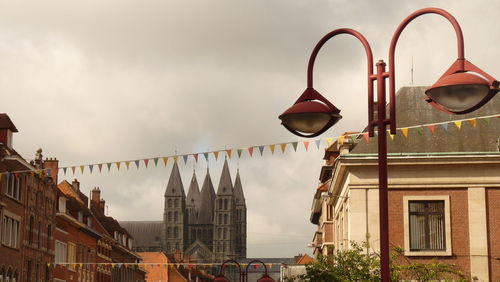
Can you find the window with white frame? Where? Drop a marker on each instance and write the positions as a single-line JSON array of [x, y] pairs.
[[10, 228], [427, 225], [61, 252], [71, 255], [14, 187]]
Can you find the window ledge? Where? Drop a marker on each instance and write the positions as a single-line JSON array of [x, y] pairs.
[[428, 253]]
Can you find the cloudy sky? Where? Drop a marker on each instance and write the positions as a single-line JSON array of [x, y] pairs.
[[103, 81]]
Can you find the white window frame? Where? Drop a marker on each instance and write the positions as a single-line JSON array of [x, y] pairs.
[[447, 225]]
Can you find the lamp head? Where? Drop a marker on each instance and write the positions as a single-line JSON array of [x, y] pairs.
[[311, 115], [462, 92], [265, 278], [221, 278]]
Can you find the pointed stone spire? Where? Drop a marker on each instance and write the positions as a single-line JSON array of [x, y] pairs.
[[225, 183], [207, 198], [193, 196], [174, 186], [238, 190]]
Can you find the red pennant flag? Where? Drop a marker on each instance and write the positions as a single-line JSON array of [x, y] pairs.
[[306, 145], [100, 167], [432, 128], [250, 151], [367, 139], [146, 161]]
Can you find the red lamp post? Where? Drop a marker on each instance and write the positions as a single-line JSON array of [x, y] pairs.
[[462, 89], [243, 274]]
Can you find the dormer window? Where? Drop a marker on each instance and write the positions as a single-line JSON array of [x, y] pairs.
[[62, 205]]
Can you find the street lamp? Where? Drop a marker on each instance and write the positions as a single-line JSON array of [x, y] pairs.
[[462, 89], [243, 275]]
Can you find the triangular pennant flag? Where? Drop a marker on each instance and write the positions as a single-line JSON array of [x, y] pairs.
[[185, 157], [165, 160], [82, 168], [118, 165], [48, 264], [216, 154], [206, 156], [261, 149], [250, 151], [73, 169], [432, 128], [306, 145], [195, 157], [137, 162], [318, 142], [341, 140], [155, 160], [420, 130], [272, 147], [294, 144], [329, 141], [239, 152], [405, 132], [445, 126], [228, 152], [91, 167], [100, 167], [64, 170], [487, 120], [175, 159], [367, 138], [473, 122], [127, 164], [146, 161], [270, 265], [391, 135], [458, 124], [283, 147]]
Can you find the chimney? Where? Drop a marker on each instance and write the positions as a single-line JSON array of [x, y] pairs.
[[102, 204], [96, 198], [76, 184], [7, 128], [52, 168]]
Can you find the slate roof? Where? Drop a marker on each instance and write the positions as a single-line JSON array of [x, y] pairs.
[[411, 109], [238, 190], [109, 223], [225, 182], [146, 234], [174, 186], [206, 213]]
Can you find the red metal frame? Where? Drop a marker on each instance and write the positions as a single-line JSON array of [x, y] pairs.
[[243, 274]]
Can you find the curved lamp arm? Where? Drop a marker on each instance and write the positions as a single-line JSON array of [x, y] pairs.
[[224, 264], [369, 56], [392, 49], [254, 261]]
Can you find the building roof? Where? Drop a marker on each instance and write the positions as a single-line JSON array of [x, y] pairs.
[[174, 186], [412, 109], [6, 123], [146, 234], [67, 189], [155, 273], [303, 259], [207, 197], [225, 182], [109, 223], [238, 190]]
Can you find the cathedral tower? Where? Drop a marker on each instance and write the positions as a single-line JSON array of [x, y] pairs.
[[175, 214], [193, 202], [241, 218]]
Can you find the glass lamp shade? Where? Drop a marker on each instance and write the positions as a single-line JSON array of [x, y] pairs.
[[460, 93], [221, 278], [309, 117], [265, 278]]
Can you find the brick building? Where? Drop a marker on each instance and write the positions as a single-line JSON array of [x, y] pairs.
[[444, 187]]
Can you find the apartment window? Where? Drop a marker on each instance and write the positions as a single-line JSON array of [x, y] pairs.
[[10, 232], [61, 252], [14, 187], [39, 235], [32, 226], [427, 225], [71, 256], [49, 236]]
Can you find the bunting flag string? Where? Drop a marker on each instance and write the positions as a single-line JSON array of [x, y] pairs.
[[354, 137], [143, 265]]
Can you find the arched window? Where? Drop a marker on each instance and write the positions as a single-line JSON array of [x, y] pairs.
[[225, 219], [176, 203], [169, 232], [169, 203], [175, 217], [225, 233], [169, 216], [225, 204], [176, 232], [219, 233], [220, 203], [177, 247], [39, 241], [220, 218], [32, 226]]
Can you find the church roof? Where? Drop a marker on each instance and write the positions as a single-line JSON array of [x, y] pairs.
[[193, 196], [206, 212], [146, 234], [174, 186], [225, 183], [238, 190]]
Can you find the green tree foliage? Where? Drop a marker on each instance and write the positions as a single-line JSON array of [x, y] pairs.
[[356, 264]]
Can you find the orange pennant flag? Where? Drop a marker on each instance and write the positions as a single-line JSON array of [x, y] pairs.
[[432, 128], [272, 147], [306, 145], [458, 124], [367, 138], [228, 152], [165, 160], [127, 163], [283, 147], [216, 154], [82, 168], [473, 122], [118, 165], [404, 131]]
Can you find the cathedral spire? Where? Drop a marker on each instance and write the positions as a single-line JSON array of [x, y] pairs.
[[225, 182], [174, 186], [207, 200], [193, 200], [238, 190]]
